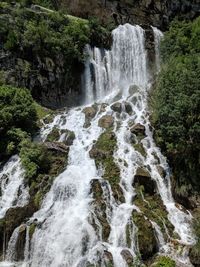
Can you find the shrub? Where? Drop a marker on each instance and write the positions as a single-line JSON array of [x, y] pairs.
[[176, 104], [17, 118], [163, 261]]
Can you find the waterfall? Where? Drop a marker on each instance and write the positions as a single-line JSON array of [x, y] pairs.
[[110, 71], [66, 235], [158, 35], [13, 191]]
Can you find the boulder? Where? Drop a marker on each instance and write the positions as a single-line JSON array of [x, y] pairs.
[[54, 135], [90, 113], [133, 89], [161, 171], [117, 107], [67, 137], [143, 177], [106, 121], [138, 129], [57, 146], [146, 237], [128, 108], [127, 256]]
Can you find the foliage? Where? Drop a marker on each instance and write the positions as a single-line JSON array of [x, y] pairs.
[[195, 250], [17, 118], [176, 104], [164, 261], [181, 39], [34, 158]]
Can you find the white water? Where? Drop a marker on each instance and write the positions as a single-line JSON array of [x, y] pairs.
[[64, 237], [13, 191], [158, 35]]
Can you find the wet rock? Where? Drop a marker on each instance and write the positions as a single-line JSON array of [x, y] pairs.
[[146, 237], [161, 171], [103, 107], [127, 256], [67, 137], [117, 107], [138, 129], [128, 108], [108, 258], [143, 177], [133, 89], [90, 113], [106, 121], [139, 147], [54, 135], [100, 209], [57, 146]]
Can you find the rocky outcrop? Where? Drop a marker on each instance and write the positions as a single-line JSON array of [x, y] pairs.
[[106, 121], [143, 178], [158, 13], [146, 237], [45, 77]]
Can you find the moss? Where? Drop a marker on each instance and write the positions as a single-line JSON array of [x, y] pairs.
[[102, 152], [41, 111], [100, 209], [154, 210], [139, 147], [146, 237], [31, 230], [53, 135], [195, 250], [163, 261]]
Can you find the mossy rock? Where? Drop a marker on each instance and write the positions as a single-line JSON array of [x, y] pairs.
[[100, 208], [143, 178], [90, 113], [68, 137], [106, 121], [102, 151], [140, 148], [146, 237], [163, 261], [153, 209], [54, 135]]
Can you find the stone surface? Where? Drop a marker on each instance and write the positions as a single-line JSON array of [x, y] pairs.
[[57, 146], [143, 178], [127, 256], [117, 107], [158, 13], [106, 121], [138, 129]]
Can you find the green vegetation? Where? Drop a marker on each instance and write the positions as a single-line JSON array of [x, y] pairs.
[[45, 42], [195, 250], [17, 118], [164, 261], [176, 104], [102, 152]]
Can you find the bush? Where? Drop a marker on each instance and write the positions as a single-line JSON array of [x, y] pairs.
[[163, 261], [17, 118], [34, 158], [176, 105]]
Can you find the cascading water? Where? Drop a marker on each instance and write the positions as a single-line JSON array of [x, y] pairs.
[[65, 236], [13, 191]]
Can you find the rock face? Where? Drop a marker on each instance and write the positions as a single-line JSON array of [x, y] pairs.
[[106, 121], [158, 13], [138, 129], [45, 77], [143, 178]]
